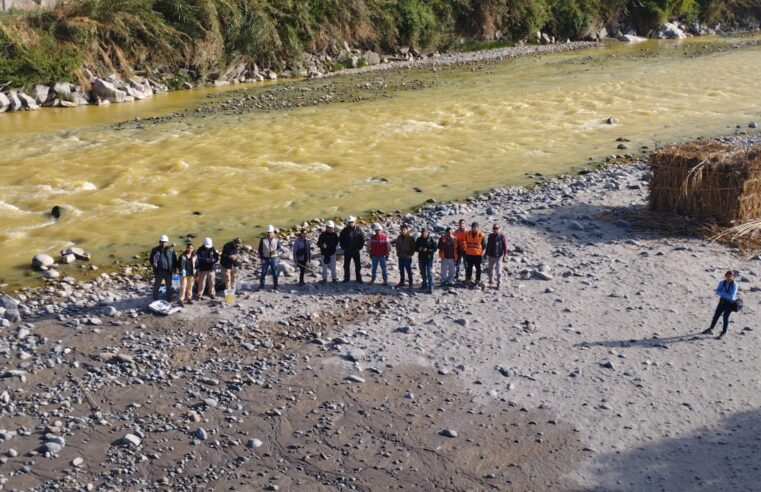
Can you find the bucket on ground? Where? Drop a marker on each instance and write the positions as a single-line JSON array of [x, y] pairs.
[[176, 282], [230, 296]]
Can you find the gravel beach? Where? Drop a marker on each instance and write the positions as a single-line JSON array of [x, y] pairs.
[[584, 372]]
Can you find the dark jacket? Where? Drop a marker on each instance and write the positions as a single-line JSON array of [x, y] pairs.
[[426, 247], [352, 240], [228, 250], [405, 246], [302, 251], [188, 265], [496, 245], [163, 260], [206, 258], [327, 242]]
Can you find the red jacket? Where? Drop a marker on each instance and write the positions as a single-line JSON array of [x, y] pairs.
[[378, 245]]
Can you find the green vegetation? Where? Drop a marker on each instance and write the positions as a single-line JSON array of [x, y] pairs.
[[206, 35]]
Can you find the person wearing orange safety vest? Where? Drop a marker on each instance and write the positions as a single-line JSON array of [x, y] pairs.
[[475, 243]]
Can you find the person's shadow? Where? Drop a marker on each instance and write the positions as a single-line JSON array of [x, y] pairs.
[[650, 342]]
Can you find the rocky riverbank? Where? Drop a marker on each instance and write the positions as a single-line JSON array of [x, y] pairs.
[[584, 371]]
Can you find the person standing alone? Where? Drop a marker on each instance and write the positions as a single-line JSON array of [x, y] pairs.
[[728, 303], [496, 253], [352, 241], [164, 263]]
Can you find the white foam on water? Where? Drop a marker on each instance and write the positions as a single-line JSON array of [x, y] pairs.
[[311, 166], [413, 126], [133, 207], [10, 209]]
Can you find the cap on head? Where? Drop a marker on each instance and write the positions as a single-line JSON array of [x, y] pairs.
[[270, 228], [351, 218], [377, 227], [330, 224], [164, 238], [237, 241], [207, 242]]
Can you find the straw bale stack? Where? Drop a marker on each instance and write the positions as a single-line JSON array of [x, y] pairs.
[[707, 180]]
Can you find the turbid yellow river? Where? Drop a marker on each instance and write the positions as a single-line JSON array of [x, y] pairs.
[[474, 129]]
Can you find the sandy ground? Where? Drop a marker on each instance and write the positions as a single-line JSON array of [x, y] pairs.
[[593, 380]]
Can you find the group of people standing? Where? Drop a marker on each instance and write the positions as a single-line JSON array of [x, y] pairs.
[[455, 248]]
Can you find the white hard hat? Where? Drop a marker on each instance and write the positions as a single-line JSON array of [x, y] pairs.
[[351, 218], [207, 242], [270, 228], [164, 238], [377, 227], [330, 224]]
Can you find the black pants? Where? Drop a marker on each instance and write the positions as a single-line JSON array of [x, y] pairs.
[[302, 270], [472, 261], [724, 308], [348, 258], [165, 277]]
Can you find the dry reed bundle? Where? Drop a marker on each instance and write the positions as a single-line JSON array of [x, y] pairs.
[[707, 180]]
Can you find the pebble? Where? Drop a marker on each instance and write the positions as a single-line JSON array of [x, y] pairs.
[[254, 443], [449, 433], [353, 378], [130, 440]]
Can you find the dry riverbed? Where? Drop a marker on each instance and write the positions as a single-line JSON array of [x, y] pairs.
[[583, 372]]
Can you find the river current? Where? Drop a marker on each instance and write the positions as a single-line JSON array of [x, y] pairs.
[[231, 175]]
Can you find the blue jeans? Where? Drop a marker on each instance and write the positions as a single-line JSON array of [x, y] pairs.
[[426, 271], [405, 265], [379, 260], [267, 265], [457, 267]]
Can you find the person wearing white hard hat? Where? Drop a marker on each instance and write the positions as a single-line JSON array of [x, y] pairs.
[[379, 249], [269, 253], [328, 243], [164, 262], [207, 258], [352, 241]]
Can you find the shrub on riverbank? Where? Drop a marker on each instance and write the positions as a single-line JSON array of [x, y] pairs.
[[206, 35]]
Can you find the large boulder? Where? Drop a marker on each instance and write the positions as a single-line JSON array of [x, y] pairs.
[[631, 38], [41, 94], [7, 302], [41, 260], [5, 103], [63, 90], [15, 102], [28, 102], [371, 58], [79, 253], [79, 98], [106, 90], [669, 30]]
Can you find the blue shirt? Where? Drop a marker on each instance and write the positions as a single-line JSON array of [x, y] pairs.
[[727, 291]]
